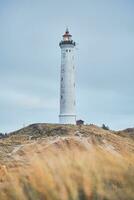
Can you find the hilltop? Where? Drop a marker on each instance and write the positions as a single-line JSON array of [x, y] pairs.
[[43, 134], [56, 162]]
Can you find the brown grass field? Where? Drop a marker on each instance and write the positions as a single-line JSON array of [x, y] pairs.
[[69, 167]]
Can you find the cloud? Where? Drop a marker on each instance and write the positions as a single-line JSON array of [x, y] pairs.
[[26, 101], [30, 60]]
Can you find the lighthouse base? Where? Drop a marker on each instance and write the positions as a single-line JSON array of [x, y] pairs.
[[67, 119]]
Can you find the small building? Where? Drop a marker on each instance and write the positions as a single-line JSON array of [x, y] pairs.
[[79, 122]]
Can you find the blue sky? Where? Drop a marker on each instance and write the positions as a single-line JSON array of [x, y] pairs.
[[30, 32]]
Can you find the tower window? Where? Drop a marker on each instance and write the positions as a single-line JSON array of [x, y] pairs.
[[62, 79], [69, 50], [61, 97], [66, 50]]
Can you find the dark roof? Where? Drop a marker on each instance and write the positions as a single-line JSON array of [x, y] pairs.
[[67, 42]]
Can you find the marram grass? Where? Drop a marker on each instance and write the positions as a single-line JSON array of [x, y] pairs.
[[69, 174]]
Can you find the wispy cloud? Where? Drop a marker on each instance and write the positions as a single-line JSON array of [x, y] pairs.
[[30, 60], [21, 100]]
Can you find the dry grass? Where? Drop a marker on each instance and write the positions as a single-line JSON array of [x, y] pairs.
[[69, 174]]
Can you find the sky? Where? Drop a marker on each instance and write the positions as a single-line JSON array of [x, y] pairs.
[[30, 32]]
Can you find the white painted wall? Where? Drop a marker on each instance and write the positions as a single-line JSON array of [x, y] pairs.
[[67, 85]]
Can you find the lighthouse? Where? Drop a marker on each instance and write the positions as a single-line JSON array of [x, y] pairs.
[[67, 80]]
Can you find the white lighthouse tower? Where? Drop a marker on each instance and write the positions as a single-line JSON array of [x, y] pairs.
[[67, 81]]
